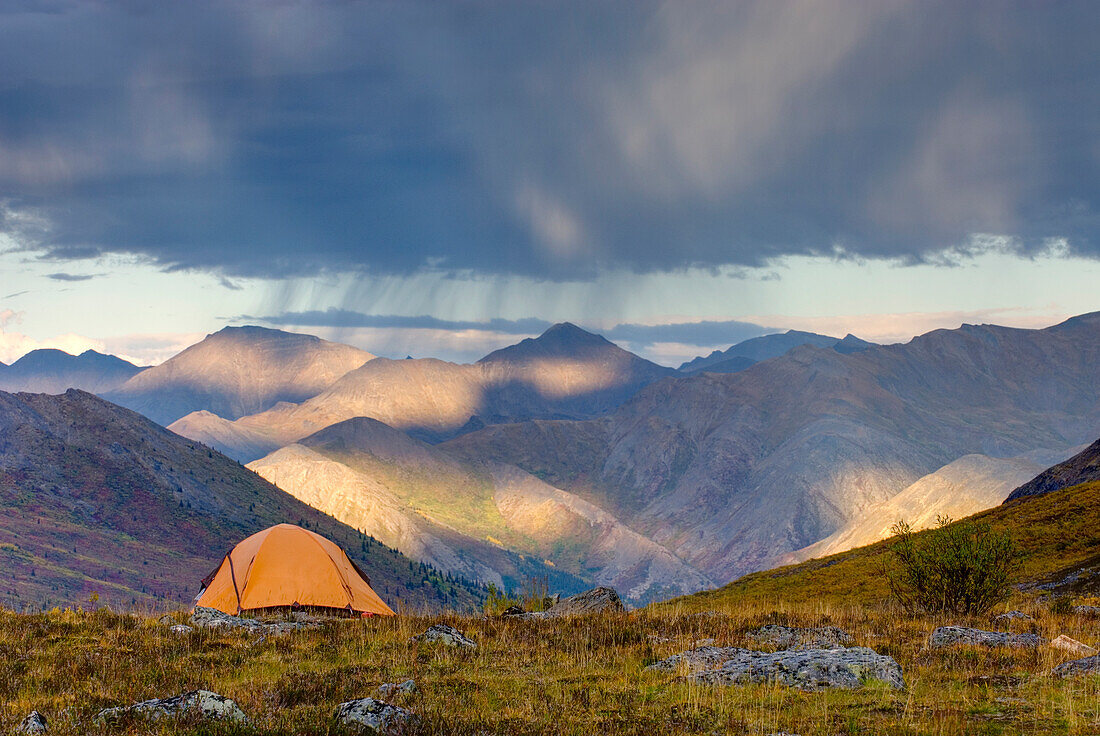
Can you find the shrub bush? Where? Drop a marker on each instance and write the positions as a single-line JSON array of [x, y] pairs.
[[962, 568]]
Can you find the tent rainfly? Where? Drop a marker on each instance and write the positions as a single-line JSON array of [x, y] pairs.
[[288, 566]]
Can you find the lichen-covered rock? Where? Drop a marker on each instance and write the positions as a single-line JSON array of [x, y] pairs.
[[1074, 647], [195, 704], [391, 690], [447, 635], [788, 637], [211, 618], [1086, 666], [597, 600], [34, 723], [180, 629], [368, 714], [1087, 611], [806, 669], [958, 636], [1010, 616]]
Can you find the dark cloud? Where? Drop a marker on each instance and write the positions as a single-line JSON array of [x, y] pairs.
[[545, 139], [705, 333], [70, 276]]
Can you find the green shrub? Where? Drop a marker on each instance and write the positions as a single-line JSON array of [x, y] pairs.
[[962, 568]]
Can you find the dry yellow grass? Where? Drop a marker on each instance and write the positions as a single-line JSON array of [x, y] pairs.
[[581, 676]]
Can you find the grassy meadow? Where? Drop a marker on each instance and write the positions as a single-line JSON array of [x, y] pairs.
[[568, 676]]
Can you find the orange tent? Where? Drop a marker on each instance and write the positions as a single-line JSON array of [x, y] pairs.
[[287, 565]]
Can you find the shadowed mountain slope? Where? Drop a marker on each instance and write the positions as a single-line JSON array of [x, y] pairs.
[[743, 354], [238, 371], [1081, 468], [459, 516], [564, 373], [97, 498], [732, 471], [50, 371]]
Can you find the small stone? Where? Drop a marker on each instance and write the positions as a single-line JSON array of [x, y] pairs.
[[1074, 667], [512, 611], [446, 635], [806, 669], [1010, 616], [166, 620], [1066, 644], [180, 629], [201, 703], [368, 714], [390, 690], [35, 722], [787, 637], [955, 636]]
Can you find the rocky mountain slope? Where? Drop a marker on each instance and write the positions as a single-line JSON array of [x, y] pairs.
[[564, 373], [745, 353], [52, 371], [97, 499], [1081, 468], [733, 471], [238, 371], [460, 516]]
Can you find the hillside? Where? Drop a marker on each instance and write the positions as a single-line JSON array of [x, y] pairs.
[[1081, 468], [731, 472], [50, 371], [1058, 532], [745, 353], [96, 498], [564, 373], [442, 510], [238, 371]]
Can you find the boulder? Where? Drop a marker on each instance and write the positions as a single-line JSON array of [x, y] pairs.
[[1010, 616], [391, 690], [35, 722], [806, 669], [958, 636], [1074, 647], [1087, 611], [1074, 667], [211, 618], [180, 629], [597, 600], [196, 704], [787, 637], [368, 714], [446, 635]]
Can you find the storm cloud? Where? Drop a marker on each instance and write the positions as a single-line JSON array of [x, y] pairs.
[[550, 139]]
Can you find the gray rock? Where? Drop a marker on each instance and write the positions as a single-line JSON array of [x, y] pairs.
[[211, 618], [35, 722], [597, 600], [1086, 666], [787, 637], [391, 690], [166, 620], [197, 703], [806, 669], [1010, 616], [1087, 611], [180, 629], [958, 636], [446, 635], [368, 714]]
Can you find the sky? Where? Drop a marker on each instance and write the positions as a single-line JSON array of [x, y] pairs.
[[445, 178]]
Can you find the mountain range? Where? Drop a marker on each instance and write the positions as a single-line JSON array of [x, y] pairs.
[[1083, 467], [97, 499], [52, 371], [744, 354]]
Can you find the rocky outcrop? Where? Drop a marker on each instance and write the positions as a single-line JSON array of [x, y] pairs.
[[958, 636], [1086, 666], [1087, 611], [374, 716], [807, 669], [1009, 616], [197, 703], [211, 618], [597, 600], [787, 637], [446, 635], [1074, 647], [34, 723]]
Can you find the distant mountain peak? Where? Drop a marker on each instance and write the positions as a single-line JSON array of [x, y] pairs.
[[562, 340]]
